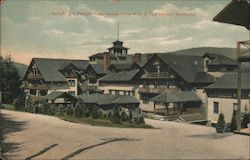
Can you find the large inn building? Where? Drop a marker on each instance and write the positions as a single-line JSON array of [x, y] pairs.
[[184, 87]]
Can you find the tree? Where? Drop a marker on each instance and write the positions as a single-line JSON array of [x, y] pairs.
[[10, 80], [19, 101], [220, 124], [233, 125], [246, 120], [45, 108], [141, 120]]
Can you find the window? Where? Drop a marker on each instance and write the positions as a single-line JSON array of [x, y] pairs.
[[235, 106], [216, 107], [71, 82]]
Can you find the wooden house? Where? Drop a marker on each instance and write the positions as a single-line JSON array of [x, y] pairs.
[[222, 96], [44, 76]]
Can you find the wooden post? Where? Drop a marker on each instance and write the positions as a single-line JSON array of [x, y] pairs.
[[239, 88], [166, 109]]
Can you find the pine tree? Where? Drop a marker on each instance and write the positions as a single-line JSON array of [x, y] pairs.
[[233, 125], [220, 124]]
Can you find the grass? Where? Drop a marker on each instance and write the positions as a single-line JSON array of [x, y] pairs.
[[8, 107], [91, 121], [103, 122]]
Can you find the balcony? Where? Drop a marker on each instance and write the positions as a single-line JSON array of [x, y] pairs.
[[156, 75], [36, 86], [156, 90], [34, 76]]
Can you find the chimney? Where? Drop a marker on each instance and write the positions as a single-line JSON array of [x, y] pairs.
[[137, 58], [106, 61]]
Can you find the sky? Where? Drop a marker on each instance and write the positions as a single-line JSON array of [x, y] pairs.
[[77, 29]]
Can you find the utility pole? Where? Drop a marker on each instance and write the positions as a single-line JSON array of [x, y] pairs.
[[118, 30]]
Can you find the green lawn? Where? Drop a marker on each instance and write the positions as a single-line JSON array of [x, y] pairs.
[[103, 122], [8, 106]]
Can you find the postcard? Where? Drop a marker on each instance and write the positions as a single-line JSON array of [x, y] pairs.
[[124, 79]]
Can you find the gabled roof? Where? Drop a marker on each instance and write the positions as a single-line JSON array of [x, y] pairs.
[[186, 66], [98, 68], [121, 66], [180, 96], [204, 77], [55, 94], [229, 81], [123, 76], [218, 59], [106, 99], [49, 68]]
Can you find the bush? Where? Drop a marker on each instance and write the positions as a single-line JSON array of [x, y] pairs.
[[141, 120], [220, 124], [85, 112], [19, 102], [78, 110], [246, 120], [109, 117], [69, 111], [116, 115], [45, 108], [130, 117], [95, 113], [28, 104], [233, 125], [124, 116]]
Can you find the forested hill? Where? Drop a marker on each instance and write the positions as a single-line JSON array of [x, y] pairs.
[[21, 69], [199, 51]]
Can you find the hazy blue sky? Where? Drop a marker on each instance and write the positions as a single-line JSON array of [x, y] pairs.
[[61, 29]]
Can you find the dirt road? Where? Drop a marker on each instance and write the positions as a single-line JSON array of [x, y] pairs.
[[45, 137]]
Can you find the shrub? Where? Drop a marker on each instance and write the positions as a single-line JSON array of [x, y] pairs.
[[95, 112], [246, 120], [130, 117], [28, 104], [116, 115], [45, 108], [124, 116], [141, 120], [109, 117], [233, 125], [220, 124], [78, 110], [19, 102], [85, 111], [69, 111]]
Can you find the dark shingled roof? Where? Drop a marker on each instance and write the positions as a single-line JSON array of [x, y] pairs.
[[203, 77], [55, 94], [229, 81], [49, 68], [99, 68], [218, 59], [106, 99], [121, 66], [180, 96], [186, 66], [120, 76]]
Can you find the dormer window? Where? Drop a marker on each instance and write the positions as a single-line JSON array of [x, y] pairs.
[[35, 71]]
